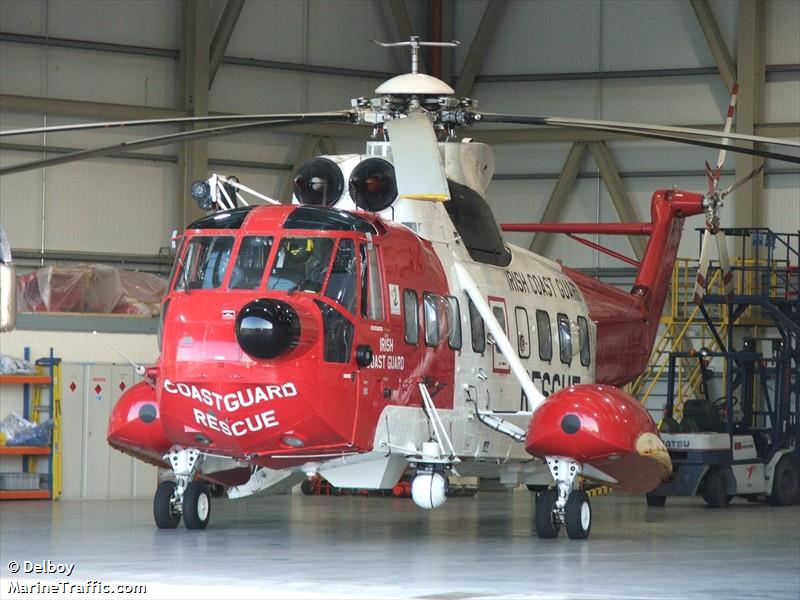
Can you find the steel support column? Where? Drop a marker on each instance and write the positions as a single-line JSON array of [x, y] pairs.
[[222, 36], [327, 145], [193, 159], [441, 30], [480, 44], [616, 189], [555, 205], [722, 57], [748, 201]]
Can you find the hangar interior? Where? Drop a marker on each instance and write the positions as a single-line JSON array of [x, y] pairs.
[[667, 62]]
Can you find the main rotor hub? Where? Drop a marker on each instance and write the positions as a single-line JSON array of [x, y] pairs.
[[416, 91]]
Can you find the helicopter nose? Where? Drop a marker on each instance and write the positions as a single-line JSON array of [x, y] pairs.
[[267, 328]]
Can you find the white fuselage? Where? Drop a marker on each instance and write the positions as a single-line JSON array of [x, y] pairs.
[[541, 310]]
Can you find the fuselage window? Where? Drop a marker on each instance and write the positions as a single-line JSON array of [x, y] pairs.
[[250, 262], [453, 323], [478, 329], [583, 341], [544, 335], [204, 264], [429, 308], [301, 264], [342, 281], [500, 315], [564, 338], [523, 332], [410, 316], [371, 289]]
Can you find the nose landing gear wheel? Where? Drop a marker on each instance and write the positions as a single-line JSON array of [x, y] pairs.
[[196, 506], [164, 513], [578, 515], [545, 515]]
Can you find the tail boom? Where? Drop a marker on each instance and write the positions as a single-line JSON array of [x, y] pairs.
[[627, 322]]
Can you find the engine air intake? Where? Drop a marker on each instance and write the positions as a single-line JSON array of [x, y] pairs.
[[373, 186], [319, 182]]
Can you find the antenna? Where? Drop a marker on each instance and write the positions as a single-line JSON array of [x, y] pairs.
[[415, 44], [140, 370]]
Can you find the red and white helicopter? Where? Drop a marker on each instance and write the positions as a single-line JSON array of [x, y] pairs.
[[380, 323]]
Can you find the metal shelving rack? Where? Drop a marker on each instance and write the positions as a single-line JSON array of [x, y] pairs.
[[47, 377]]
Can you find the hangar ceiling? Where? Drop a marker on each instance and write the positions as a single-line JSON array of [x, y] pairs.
[[664, 62]]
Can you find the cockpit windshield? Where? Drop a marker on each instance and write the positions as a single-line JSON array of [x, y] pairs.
[[322, 265], [301, 264], [204, 263]]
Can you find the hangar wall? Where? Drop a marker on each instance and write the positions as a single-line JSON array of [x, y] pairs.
[[128, 205]]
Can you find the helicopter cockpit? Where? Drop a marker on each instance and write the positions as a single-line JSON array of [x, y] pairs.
[[262, 259], [301, 262]]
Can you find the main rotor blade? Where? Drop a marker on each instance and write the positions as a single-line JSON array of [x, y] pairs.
[[628, 127], [417, 159], [728, 125], [167, 121], [162, 140], [646, 133]]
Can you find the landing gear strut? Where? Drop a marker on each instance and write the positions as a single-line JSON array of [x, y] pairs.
[[184, 496], [563, 505]]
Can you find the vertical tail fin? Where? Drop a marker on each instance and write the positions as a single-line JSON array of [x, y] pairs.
[[668, 209]]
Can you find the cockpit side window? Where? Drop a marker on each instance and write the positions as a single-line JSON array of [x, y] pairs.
[[342, 281], [250, 262], [301, 264], [410, 316], [204, 263]]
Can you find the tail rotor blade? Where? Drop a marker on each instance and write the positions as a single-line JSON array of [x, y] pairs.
[[742, 181], [728, 125], [725, 263], [702, 269], [711, 180]]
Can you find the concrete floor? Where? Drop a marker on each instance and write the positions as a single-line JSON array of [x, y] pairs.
[[356, 547]]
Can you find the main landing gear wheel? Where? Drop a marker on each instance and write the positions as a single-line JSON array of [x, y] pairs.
[[196, 506], [653, 500], [164, 511], [546, 516], [578, 515]]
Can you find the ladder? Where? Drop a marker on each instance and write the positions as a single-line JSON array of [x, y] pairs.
[[44, 407], [684, 331]]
